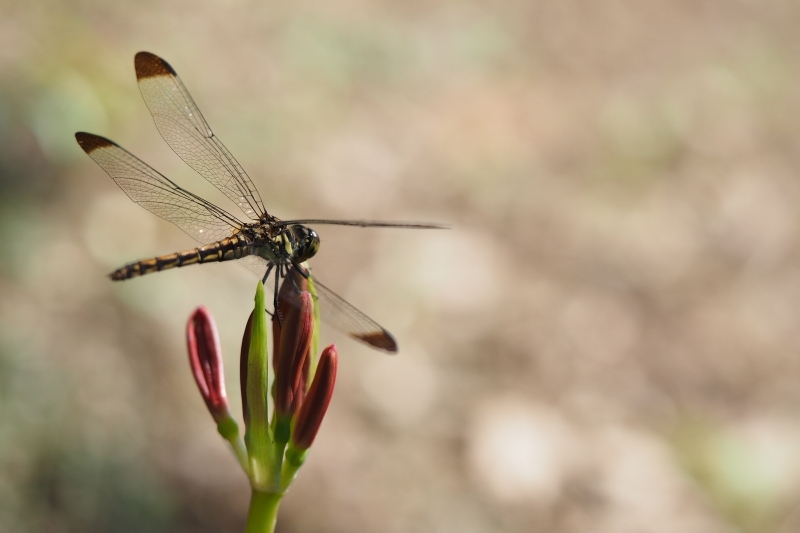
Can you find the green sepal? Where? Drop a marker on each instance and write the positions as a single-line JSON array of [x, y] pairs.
[[314, 354], [228, 428], [258, 437], [296, 456], [283, 428]]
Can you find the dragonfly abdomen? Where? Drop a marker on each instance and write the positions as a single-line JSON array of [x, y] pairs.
[[227, 249]]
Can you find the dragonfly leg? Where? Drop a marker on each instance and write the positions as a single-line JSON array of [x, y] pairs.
[[303, 272], [275, 295], [300, 270], [266, 274], [264, 281], [294, 282]]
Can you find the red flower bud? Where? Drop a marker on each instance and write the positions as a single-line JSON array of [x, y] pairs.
[[205, 358], [293, 285], [291, 349], [311, 412], [243, 354], [302, 384]]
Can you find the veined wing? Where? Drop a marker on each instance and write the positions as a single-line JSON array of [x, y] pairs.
[[181, 124], [366, 223], [255, 263], [335, 311], [144, 185]]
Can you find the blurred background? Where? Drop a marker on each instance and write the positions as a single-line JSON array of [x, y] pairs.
[[607, 339]]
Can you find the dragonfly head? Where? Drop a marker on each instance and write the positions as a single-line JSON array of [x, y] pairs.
[[306, 242]]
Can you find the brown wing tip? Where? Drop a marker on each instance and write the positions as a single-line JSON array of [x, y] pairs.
[[150, 65], [382, 340], [91, 142]]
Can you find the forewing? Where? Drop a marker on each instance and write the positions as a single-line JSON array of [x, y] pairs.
[[186, 131], [367, 223], [144, 185], [336, 312]]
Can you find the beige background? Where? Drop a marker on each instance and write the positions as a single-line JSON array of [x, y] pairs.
[[606, 341]]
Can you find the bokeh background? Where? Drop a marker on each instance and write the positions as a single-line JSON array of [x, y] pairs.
[[607, 340]]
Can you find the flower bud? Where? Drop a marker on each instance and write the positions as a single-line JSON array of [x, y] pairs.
[[244, 352], [291, 351], [205, 359], [309, 416], [293, 285]]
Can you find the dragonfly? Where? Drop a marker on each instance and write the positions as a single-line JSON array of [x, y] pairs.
[[263, 243]]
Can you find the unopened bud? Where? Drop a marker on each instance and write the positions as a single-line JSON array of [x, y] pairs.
[[311, 412], [291, 351], [205, 359], [243, 354]]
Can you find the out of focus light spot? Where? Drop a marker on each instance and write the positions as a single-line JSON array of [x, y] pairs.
[[66, 106], [455, 271], [765, 463], [518, 451], [750, 469], [117, 230], [403, 388]]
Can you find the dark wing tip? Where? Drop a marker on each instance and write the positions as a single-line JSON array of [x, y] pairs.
[[91, 142], [382, 340], [150, 65]]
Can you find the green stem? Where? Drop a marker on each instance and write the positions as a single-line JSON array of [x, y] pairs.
[[263, 512], [282, 430], [294, 460], [229, 430], [240, 451]]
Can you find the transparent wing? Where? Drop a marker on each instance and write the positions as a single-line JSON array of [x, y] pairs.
[[367, 223], [204, 221], [255, 263], [181, 124], [335, 311]]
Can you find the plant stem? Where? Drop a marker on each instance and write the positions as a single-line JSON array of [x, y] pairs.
[[240, 451], [294, 460], [263, 512], [282, 431]]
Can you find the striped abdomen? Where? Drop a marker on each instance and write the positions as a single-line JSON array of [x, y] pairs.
[[225, 250]]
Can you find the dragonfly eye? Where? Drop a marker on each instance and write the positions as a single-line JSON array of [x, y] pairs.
[[307, 242]]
